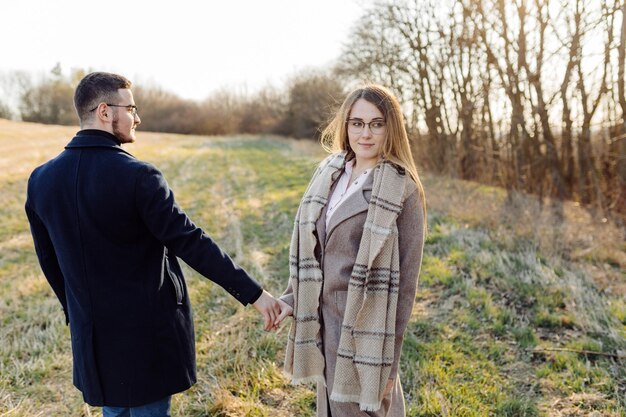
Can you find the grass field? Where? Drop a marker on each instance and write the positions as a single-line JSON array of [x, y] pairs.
[[521, 307]]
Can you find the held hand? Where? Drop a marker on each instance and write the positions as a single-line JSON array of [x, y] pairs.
[[285, 310], [268, 306]]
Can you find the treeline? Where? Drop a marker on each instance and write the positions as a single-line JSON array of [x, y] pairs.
[[527, 94], [298, 109]]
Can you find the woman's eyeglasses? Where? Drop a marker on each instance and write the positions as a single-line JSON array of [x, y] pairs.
[[356, 126]]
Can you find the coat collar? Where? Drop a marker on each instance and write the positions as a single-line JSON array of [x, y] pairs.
[[354, 204], [93, 138]]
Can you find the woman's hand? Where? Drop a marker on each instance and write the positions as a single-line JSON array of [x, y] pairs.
[[285, 310]]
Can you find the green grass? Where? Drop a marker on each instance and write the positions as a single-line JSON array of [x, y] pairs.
[[490, 306], [497, 305]]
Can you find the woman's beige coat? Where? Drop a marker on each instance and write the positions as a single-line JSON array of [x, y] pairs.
[[336, 250]]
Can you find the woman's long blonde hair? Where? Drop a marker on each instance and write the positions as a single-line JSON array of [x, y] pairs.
[[396, 147]]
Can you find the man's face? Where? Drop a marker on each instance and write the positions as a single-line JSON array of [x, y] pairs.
[[125, 120]]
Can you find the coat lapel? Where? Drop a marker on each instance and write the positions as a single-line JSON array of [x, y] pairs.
[[355, 204], [320, 227]]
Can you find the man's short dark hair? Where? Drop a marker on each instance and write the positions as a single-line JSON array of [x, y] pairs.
[[96, 88]]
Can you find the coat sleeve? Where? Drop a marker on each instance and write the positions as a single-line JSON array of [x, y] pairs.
[[47, 257], [411, 244], [287, 295], [171, 226]]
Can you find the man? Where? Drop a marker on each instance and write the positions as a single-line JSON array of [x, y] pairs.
[[107, 233]]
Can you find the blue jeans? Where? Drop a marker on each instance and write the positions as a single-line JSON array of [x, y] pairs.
[[159, 408]]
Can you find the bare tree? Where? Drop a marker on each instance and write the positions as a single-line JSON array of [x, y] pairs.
[[312, 98], [571, 42], [505, 91], [619, 143], [588, 182], [50, 101]]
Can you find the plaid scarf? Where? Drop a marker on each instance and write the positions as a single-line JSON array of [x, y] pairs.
[[366, 347]]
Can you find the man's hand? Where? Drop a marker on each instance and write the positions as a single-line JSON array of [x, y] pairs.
[[269, 307], [285, 310]]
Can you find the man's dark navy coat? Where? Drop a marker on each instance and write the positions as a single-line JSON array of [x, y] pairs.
[[108, 232]]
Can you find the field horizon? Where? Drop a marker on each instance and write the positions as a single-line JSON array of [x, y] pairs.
[[520, 311]]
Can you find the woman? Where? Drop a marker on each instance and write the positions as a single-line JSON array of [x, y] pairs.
[[354, 261]]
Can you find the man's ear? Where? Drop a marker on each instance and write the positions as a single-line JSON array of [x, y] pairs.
[[102, 112]]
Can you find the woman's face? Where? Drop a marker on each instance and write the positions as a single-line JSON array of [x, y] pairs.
[[366, 132]]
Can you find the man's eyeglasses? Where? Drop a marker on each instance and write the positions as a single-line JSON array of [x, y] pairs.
[[130, 107], [356, 126]]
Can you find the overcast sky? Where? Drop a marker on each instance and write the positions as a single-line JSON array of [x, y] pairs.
[[189, 47]]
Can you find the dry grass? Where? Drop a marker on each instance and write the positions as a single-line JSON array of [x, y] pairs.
[[557, 229]]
